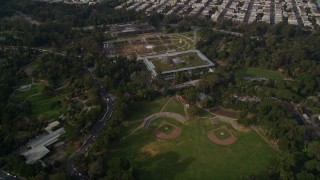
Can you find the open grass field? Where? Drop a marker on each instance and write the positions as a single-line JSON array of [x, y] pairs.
[[41, 106], [191, 155], [259, 73], [20, 96], [141, 109], [40, 103], [174, 106]]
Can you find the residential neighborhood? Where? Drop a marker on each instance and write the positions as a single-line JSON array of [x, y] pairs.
[[296, 12]]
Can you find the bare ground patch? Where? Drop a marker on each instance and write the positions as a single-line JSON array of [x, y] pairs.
[[149, 150]]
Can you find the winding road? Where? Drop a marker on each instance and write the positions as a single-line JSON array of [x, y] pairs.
[[89, 139]]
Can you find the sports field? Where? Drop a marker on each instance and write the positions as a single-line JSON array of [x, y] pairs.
[[192, 155]]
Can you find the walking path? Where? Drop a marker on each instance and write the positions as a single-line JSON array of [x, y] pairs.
[[166, 104], [265, 139], [232, 121], [148, 120]]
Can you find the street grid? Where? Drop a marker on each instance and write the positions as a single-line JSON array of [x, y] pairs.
[[296, 12]]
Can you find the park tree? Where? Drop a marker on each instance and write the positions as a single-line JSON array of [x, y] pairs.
[[119, 168], [95, 169], [193, 110], [191, 95]]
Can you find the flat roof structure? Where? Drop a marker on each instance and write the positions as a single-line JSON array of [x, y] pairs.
[[171, 63], [52, 125], [37, 147], [126, 29]]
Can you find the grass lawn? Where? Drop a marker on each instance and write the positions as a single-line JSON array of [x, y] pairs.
[[192, 155], [259, 73], [174, 106], [142, 109], [20, 96], [204, 113], [221, 134], [41, 105]]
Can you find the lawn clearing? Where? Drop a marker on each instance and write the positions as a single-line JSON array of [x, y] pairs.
[[42, 107], [259, 73], [175, 106], [141, 109], [20, 96]]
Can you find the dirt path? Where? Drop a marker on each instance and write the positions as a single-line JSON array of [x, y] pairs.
[[149, 119], [265, 139], [232, 121], [166, 104], [63, 86], [185, 110], [32, 96]]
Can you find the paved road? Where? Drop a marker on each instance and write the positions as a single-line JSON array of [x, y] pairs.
[[96, 129], [224, 11], [38, 49], [248, 13], [297, 13], [227, 32], [272, 12], [186, 84], [7, 176]]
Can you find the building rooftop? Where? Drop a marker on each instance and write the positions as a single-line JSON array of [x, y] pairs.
[[37, 147]]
